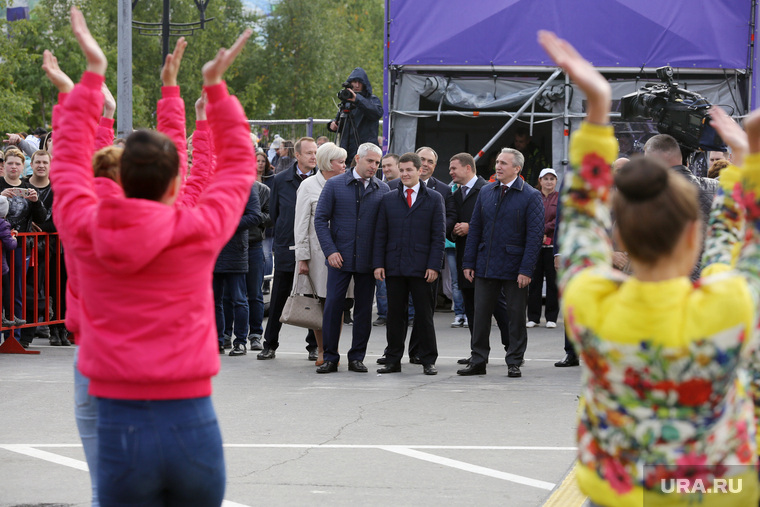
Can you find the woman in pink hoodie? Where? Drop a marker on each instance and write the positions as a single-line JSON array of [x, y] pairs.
[[144, 268]]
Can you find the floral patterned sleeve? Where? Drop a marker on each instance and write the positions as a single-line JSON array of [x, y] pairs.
[[725, 224], [585, 220], [747, 193]]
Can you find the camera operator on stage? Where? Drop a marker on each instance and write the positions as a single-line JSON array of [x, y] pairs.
[[357, 121]]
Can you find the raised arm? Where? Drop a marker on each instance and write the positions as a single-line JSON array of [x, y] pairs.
[[223, 201], [204, 158], [171, 107], [71, 171], [586, 217], [104, 135]]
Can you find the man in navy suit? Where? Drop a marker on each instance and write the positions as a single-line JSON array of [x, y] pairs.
[[282, 211], [345, 225], [408, 253], [503, 242], [428, 161]]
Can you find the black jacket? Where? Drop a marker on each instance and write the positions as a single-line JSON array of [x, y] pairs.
[[256, 233], [362, 123], [234, 255], [460, 210], [410, 241], [282, 210]]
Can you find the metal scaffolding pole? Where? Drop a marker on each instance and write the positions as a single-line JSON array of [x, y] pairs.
[[520, 111], [124, 69]]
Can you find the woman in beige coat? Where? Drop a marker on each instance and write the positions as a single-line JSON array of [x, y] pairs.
[[331, 161]]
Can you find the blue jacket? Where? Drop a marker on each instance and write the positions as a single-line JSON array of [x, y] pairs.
[[410, 241], [234, 256], [505, 234], [344, 225], [282, 212]]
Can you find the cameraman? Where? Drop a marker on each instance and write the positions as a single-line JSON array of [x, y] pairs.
[[361, 122]]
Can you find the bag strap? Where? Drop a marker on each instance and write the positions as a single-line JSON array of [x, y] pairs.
[[311, 283]]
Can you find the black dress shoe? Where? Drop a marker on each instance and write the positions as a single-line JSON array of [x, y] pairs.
[[221, 349], [313, 356], [429, 369], [390, 368], [266, 354], [382, 360], [567, 361], [513, 371], [465, 360], [328, 367], [473, 369], [357, 366], [414, 360]]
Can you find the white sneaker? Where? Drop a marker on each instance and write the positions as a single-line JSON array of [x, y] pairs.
[[551, 325], [530, 324], [458, 321], [466, 324]]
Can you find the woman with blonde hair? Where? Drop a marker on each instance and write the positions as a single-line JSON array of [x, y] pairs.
[[331, 161]]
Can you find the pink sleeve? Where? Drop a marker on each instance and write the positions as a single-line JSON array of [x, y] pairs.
[[104, 135], [203, 166], [171, 121], [223, 201], [71, 170]]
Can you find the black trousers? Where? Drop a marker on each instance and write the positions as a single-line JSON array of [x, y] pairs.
[[544, 267], [281, 288], [486, 294], [499, 312], [399, 288]]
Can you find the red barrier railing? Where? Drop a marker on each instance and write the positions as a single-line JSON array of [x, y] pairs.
[[49, 242]]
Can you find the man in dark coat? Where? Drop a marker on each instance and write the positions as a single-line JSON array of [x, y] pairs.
[[360, 125], [503, 243], [408, 254], [459, 207], [345, 221], [255, 277], [282, 212], [229, 276]]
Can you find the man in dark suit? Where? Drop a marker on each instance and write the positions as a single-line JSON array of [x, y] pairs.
[[503, 242], [408, 253], [282, 209], [428, 160], [459, 207], [345, 221]]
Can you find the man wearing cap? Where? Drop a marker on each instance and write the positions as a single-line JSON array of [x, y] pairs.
[[503, 242]]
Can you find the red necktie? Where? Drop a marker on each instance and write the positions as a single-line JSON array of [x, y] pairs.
[[409, 196]]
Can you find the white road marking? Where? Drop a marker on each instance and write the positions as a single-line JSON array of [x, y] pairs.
[[350, 446], [47, 456], [468, 467]]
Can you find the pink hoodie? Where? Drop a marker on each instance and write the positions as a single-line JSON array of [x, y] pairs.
[[145, 268]]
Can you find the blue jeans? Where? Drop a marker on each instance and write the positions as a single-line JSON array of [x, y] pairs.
[[268, 259], [86, 414], [159, 452], [232, 284], [382, 299], [255, 278], [451, 258]]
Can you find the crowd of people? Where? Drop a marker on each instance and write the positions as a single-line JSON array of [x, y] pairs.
[[657, 267]]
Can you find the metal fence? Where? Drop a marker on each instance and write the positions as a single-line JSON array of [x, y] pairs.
[[292, 129]]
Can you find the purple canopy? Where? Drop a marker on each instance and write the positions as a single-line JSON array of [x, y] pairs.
[[610, 33]]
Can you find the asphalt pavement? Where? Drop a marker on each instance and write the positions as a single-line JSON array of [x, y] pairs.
[[293, 437]]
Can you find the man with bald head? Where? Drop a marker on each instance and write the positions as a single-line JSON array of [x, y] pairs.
[[616, 165], [665, 148]]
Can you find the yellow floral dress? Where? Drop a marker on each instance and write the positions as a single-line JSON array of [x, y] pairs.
[[664, 384]]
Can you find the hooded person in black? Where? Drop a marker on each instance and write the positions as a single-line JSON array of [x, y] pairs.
[[362, 122]]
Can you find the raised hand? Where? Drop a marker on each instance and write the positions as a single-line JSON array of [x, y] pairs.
[[96, 59], [580, 70], [752, 126], [60, 80], [109, 104], [730, 131], [173, 60], [214, 69], [200, 107]]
